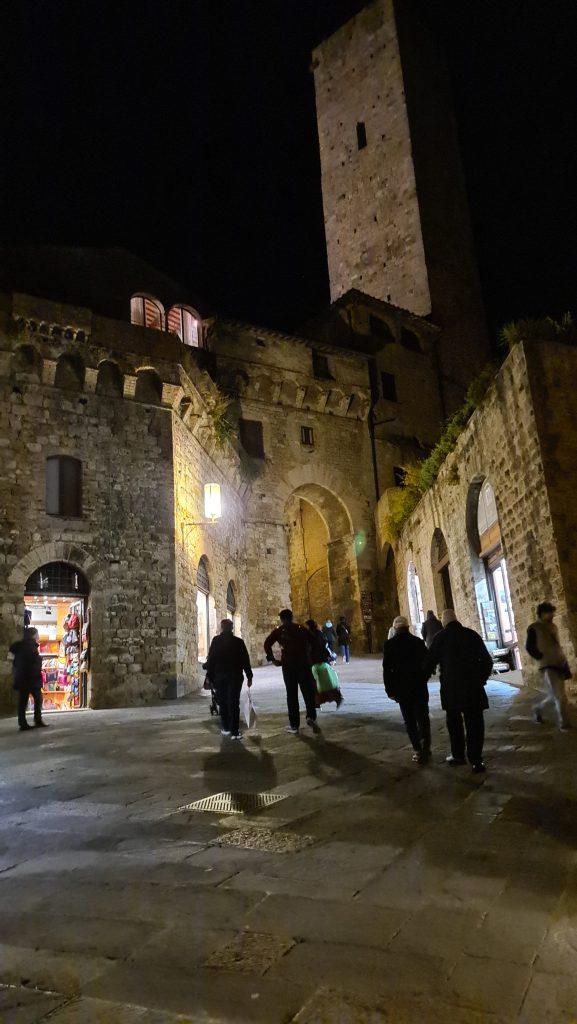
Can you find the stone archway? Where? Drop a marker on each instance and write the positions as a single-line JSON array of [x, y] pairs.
[[323, 570]]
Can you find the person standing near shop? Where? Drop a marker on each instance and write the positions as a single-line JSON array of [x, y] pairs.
[[228, 660], [344, 639], [295, 644], [465, 665], [27, 677], [406, 683], [544, 647]]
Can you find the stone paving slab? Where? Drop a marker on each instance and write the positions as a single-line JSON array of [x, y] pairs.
[[25, 1006], [427, 894]]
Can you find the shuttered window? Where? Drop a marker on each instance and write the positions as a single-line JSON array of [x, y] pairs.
[[63, 486]]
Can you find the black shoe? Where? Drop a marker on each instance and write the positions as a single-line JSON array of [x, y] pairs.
[[40, 725], [313, 724], [455, 761], [478, 769], [24, 728]]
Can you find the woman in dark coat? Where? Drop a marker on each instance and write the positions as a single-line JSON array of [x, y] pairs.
[[465, 667], [27, 677], [431, 626], [406, 683]]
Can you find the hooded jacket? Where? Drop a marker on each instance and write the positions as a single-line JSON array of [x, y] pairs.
[[465, 667]]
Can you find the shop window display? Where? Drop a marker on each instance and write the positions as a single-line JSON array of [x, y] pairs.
[[63, 624]]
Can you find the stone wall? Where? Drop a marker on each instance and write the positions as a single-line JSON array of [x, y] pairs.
[[516, 440], [70, 384], [372, 220]]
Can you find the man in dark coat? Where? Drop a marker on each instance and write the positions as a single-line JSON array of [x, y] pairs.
[[465, 667], [227, 661], [431, 626], [295, 643], [406, 683], [27, 677]]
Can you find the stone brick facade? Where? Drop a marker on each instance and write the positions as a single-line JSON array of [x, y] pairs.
[[520, 439], [396, 216]]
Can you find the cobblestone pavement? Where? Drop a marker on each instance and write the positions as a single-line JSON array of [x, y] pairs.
[[373, 890]]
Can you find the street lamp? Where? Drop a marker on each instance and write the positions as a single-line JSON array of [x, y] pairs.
[[212, 508], [212, 502]]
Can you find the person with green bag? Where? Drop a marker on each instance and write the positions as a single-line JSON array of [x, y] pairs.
[[326, 678]]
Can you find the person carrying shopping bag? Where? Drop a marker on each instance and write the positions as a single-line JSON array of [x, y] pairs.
[[326, 679]]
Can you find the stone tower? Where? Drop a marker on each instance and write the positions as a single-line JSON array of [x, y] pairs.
[[396, 217]]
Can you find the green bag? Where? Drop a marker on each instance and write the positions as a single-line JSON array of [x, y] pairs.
[[325, 677]]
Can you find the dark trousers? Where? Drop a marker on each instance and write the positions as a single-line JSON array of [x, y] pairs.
[[469, 727], [296, 676], [23, 696], [417, 723], [228, 696]]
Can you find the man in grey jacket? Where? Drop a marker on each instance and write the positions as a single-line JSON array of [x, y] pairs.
[[543, 646]]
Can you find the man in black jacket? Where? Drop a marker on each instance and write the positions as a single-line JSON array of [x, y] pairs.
[[405, 682], [295, 644], [227, 661], [27, 677], [465, 667]]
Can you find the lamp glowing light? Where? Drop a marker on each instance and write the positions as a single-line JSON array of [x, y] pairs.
[[212, 502]]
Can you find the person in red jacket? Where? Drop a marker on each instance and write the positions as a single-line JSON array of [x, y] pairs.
[[295, 644]]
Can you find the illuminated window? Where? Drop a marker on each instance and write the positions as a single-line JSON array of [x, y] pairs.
[[184, 322], [147, 312], [63, 486]]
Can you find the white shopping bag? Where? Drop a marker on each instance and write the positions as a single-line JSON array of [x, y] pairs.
[[247, 708]]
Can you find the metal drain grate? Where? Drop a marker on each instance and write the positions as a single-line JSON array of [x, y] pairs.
[[234, 803]]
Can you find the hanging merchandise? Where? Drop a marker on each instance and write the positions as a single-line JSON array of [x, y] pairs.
[[64, 632]]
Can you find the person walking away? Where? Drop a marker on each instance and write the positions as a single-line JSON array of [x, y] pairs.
[[326, 679], [295, 643], [227, 662], [431, 626], [544, 647], [465, 665], [27, 677], [330, 636], [406, 683], [392, 630], [344, 639]]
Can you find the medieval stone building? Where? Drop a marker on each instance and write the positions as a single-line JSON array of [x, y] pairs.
[[124, 398]]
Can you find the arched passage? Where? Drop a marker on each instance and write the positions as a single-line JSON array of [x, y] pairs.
[[441, 571], [322, 561], [490, 571]]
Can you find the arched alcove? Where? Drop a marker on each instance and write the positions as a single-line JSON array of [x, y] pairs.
[[69, 372], [109, 381], [148, 387], [441, 571]]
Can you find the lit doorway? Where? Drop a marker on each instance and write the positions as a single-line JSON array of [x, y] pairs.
[[56, 604], [492, 582], [203, 608]]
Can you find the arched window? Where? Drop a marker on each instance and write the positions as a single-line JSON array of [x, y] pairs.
[[63, 486], [109, 380], [231, 607], [69, 372], [148, 387], [203, 608], [147, 312], [415, 599], [184, 322], [57, 578], [490, 572]]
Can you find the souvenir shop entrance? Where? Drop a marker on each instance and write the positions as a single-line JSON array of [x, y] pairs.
[[56, 604]]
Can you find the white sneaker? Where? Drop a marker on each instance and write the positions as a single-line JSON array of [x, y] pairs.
[[290, 729], [225, 732], [237, 737]]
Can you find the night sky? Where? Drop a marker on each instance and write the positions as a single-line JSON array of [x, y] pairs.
[[185, 131]]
